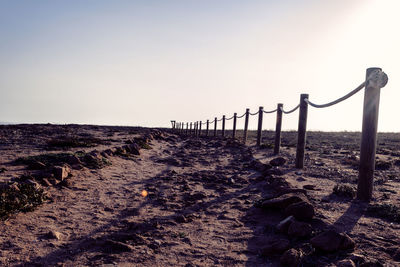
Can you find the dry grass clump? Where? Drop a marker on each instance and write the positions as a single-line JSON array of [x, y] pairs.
[[344, 190], [19, 197], [387, 211]]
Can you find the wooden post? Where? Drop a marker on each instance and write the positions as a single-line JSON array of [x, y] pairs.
[[215, 127], [278, 129], [208, 128], [301, 132], [196, 128], [369, 132], [191, 130], [223, 126], [234, 125], [260, 120], [246, 125], [200, 128], [187, 128]]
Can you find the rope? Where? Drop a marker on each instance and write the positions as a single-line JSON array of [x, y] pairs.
[[361, 86], [272, 111], [290, 111], [252, 114], [230, 118], [241, 116], [220, 119]]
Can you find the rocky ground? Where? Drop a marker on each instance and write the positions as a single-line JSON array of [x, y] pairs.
[[72, 196]]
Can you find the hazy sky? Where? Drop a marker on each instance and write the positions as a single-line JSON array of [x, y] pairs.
[[148, 62]]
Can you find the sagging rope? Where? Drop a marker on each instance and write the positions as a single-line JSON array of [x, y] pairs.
[[378, 78], [272, 111], [252, 114], [239, 117], [290, 111]]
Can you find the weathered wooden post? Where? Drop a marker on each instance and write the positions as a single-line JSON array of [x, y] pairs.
[[246, 125], [195, 128], [223, 126], [191, 130], [200, 128], [301, 132], [278, 129], [259, 129], [234, 125], [375, 80], [215, 126], [187, 128], [208, 128]]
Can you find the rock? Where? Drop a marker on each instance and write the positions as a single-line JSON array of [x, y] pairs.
[[60, 173], [299, 229], [309, 187], [36, 165], [180, 219], [283, 201], [134, 149], [74, 160], [283, 226], [275, 246], [291, 258], [345, 263], [382, 165], [331, 241], [278, 161], [54, 235], [301, 210], [259, 166], [111, 246], [109, 152], [45, 182]]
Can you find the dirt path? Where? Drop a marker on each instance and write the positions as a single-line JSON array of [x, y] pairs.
[[200, 211]]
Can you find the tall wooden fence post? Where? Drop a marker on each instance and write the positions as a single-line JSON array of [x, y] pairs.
[[208, 128], [369, 132], [200, 128], [223, 126], [301, 132], [215, 126], [246, 125], [278, 129], [234, 125], [187, 128], [260, 121], [191, 130]]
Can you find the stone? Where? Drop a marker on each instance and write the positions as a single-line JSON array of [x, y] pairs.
[[111, 246], [301, 210], [73, 160], [259, 166], [309, 187], [275, 246], [283, 225], [36, 165], [54, 235], [60, 173], [299, 229], [134, 149], [283, 201], [279, 161], [345, 263], [291, 258], [331, 241], [383, 165]]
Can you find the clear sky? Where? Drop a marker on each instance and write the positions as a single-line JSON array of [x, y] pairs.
[[148, 62]]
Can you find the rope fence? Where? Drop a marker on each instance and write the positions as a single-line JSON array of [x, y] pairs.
[[375, 80]]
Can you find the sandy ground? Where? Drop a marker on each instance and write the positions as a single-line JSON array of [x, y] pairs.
[[200, 209]]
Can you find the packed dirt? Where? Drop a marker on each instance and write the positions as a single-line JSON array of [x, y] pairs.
[[79, 195]]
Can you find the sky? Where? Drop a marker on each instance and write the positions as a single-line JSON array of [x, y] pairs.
[[145, 63]]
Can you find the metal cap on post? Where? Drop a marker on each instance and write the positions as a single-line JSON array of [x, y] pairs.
[[260, 121], [375, 80], [301, 132], [234, 125], [223, 126], [215, 126], [278, 129], [246, 125]]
